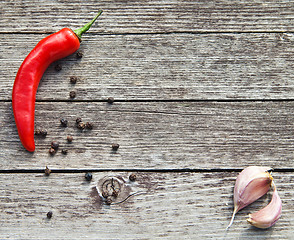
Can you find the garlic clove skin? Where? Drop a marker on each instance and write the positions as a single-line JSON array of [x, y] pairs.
[[256, 188], [269, 215], [252, 183], [245, 178]]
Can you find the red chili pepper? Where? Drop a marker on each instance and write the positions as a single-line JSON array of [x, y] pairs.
[[48, 50]]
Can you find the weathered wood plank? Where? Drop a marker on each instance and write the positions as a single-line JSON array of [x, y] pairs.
[[214, 50], [176, 66], [171, 205], [158, 135], [148, 16]]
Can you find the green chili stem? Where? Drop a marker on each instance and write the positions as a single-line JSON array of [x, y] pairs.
[[85, 28]]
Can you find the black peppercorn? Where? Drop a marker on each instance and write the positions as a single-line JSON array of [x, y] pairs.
[[54, 145], [44, 132], [49, 214], [41, 133], [37, 132], [63, 122], [81, 125], [73, 79], [88, 176], [52, 151], [110, 100], [47, 171], [89, 125], [79, 54], [115, 146], [64, 151], [78, 120], [133, 177], [72, 94], [69, 139], [58, 67]]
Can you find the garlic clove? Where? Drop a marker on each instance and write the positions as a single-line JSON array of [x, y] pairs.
[[256, 188], [252, 183], [269, 215]]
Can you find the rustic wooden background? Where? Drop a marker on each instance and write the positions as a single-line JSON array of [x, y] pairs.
[[202, 89]]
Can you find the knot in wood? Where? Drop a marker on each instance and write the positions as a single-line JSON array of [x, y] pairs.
[[113, 187], [110, 186]]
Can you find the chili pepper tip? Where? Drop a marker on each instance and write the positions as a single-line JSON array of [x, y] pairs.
[[85, 28]]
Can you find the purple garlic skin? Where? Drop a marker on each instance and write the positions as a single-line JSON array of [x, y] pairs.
[[251, 184], [269, 215]]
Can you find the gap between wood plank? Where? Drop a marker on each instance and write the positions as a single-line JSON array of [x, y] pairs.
[[211, 170], [156, 33], [160, 100]]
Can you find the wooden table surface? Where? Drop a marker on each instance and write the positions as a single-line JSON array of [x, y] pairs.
[[202, 89]]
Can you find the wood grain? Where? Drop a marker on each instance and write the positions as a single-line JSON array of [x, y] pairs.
[[156, 135], [162, 67], [148, 16], [170, 206], [202, 88]]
